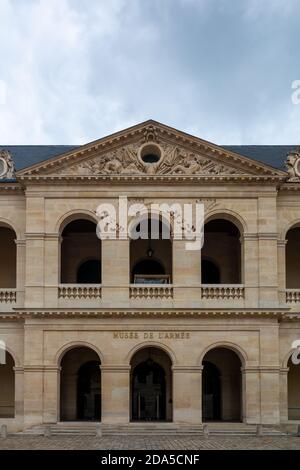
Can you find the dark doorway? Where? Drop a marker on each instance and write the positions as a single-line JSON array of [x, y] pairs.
[[80, 385], [211, 392], [89, 392], [149, 392], [89, 272], [210, 272]]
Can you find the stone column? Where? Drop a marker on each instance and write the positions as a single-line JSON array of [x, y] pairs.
[[249, 245], [115, 394], [19, 394], [69, 397], [52, 266], [281, 248], [284, 395], [115, 273], [269, 397], [51, 394], [33, 395], [20, 281], [186, 275], [251, 395], [187, 394], [267, 253]]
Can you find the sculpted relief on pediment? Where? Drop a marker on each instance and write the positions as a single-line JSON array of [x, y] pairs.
[[163, 159]]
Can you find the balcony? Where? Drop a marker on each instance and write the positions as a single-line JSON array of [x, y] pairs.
[[79, 295], [8, 295], [222, 291], [151, 291], [292, 296]]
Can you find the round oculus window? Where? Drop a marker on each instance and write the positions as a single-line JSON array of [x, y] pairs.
[[150, 154]]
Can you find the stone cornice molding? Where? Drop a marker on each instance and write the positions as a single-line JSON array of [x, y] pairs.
[[151, 313], [153, 179], [6, 187]]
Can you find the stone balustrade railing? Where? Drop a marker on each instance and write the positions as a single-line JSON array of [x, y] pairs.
[[292, 296], [151, 291], [79, 291], [222, 291], [8, 295]]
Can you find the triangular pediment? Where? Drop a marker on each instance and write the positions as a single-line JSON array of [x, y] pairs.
[[149, 150]]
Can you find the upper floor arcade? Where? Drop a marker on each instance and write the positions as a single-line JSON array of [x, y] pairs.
[[51, 256]]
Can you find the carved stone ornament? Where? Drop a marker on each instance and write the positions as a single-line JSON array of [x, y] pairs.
[[293, 165], [126, 161], [7, 169]]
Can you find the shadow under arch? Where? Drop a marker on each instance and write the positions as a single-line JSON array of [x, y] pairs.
[[6, 223], [71, 216], [230, 216], [294, 224], [74, 345], [151, 344], [241, 353]]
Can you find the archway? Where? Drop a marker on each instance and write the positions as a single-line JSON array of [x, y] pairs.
[[293, 391], [151, 252], [221, 253], [7, 387], [8, 255], [292, 258], [151, 385], [80, 385], [221, 386], [80, 253]]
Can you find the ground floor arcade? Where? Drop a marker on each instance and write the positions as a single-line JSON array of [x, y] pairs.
[[180, 370]]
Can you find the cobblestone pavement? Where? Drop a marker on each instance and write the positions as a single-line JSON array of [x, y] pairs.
[[150, 443]]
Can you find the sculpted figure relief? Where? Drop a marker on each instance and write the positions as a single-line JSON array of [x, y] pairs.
[[9, 169], [292, 164], [125, 161]]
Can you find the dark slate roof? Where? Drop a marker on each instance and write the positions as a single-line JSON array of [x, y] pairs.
[[273, 155], [27, 155]]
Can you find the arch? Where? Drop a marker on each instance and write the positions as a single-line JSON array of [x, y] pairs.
[[226, 345], [73, 345], [79, 242], [287, 358], [74, 214], [80, 385], [230, 216], [151, 385], [153, 214], [9, 224], [151, 344], [294, 224], [222, 385], [8, 387], [222, 245], [152, 248], [12, 353]]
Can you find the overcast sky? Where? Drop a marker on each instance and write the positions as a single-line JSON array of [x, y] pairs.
[[72, 71]]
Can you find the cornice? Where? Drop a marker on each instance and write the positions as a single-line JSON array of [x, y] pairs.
[[152, 313], [6, 187], [152, 179]]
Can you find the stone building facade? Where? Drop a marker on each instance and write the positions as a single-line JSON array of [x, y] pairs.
[[121, 330]]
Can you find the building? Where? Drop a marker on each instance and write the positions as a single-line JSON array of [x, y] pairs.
[[123, 330]]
